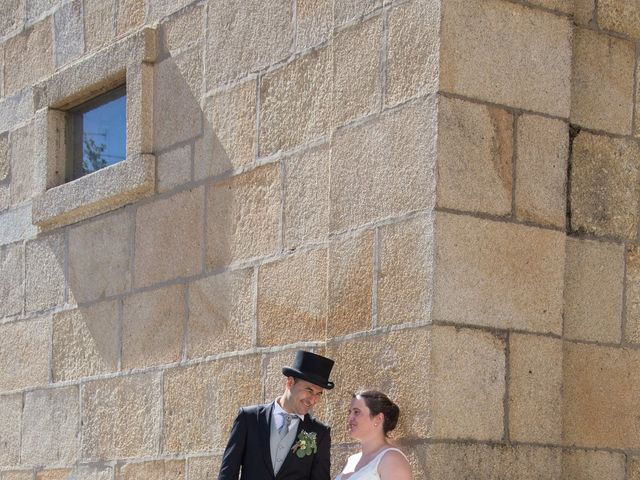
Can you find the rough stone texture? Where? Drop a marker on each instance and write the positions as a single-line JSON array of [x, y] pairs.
[[292, 299], [11, 18], [306, 201], [51, 426], [498, 274], [314, 22], [15, 225], [182, 29], [523, 59], [593, 291], [350, 284], [69, 36], [201, 402], [295, 102], [15, 109], [541, 170], [36, 8], [634, 468], [120, 417], [602, 81], [104, 246], [243, 216], [17, 475], [99, 28], [85, 341], [245, 36], [174, 167], [601, 386], [563, 6], [156, 470], [604, 186], [347, 10], [221, 314], [535, 389], [584, 12], [152, 327], [5, 158], [22, 165], [162, 8], [394, 363], [590, 465], [5, 198], [632, 295], [413, 51], [204, 468], [10, 420], [384, 167], [357, 83], [53, 474], [45, 279], [11, 272], [475, 150], [169, 237], [28, 57], [129, 15], [621, 17], [91, 472], [405, 276]]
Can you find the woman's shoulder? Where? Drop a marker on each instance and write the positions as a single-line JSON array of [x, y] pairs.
[[393, 461]]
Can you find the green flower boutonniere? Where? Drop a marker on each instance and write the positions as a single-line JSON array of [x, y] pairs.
[[306, 444]]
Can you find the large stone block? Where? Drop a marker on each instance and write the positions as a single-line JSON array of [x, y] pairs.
[[53, 474], [351, 279], [584, 12], [181, 30], [23, 171], [292, 299], [11, 18], [593, 291], [85, 341], [37, 8], [16, 109], [601, 386], [104, 246], [405, 276], [5, 158], [12, 285], [152, 470], [10, 421], [602, 81], [45, 278], [245, 36], [541, 170], [475, 150], [16, 226], [174, 167], [413, 51], [68, 33], [169, 238], [592, 465], [17, 475], [51, 426], [221, 314], [632, 295], [604, 186], [357, 86], [385, 167], [314, 22], [523, 59], [129, 15], [634, 468], [243, 216], [621, 17], [347, 10], [498, 274], [24, 354], [97, 31], [201, 401], [295, 102], [121, 417], [535, 389], [91, 472], [204, 468]]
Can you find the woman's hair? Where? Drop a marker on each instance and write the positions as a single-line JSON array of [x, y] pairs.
[[377, 402]]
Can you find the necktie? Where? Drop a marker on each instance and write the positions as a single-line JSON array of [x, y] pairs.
[[284, 428]]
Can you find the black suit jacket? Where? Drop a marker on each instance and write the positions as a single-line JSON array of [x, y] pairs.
[[248, 453]]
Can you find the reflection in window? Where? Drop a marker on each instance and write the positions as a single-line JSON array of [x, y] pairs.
[[97, 134]]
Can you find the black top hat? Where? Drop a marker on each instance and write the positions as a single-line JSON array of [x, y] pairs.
[[312, 368]]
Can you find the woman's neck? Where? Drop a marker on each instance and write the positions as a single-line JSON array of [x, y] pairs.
[[372, 445]]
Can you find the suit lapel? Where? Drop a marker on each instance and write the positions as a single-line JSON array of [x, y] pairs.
[[291, 457], [264, 429]]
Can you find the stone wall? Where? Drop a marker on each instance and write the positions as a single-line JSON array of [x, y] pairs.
[[440, 195]]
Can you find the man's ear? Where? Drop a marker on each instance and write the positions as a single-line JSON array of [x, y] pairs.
[[290, 382]]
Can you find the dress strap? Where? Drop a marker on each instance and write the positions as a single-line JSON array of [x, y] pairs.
[[378, 458]]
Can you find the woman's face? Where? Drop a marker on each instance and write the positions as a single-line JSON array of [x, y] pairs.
[[360, 423]]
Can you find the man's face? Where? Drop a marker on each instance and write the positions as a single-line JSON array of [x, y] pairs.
[[300, 396]]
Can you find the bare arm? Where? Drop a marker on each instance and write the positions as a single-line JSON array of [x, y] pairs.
[[394, 466]]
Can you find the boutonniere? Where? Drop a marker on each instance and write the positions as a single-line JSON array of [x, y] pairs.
[[306, 444]]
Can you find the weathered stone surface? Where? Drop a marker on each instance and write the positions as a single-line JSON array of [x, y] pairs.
[[634, 468], [15, 109], [498, 274], [104, 246], [152, 327], [604, 186], [99, 25], [174, 167], [584, 12], [28, 57], [292, 299], [523, 60], [24, 354], [357, 83], [51, 426], [295, 102], [350, 284], [245, 36], [163, 8], [204, 468], [11, 272], [5, 199], [601, 386], [243, 216], [53, 474], [384, 167], [201, 402], [221, 314], [413, 56], [306, 201], [535, 389], [85, 341], [181, 30], [593, 291], [541, 170], [632, 295], [5, 158], [10, 421], [15, 225], [475, 150], [347, 10], [563, 6], [169, 237], [68, 33], [592, 465], [129, 15], [11, 18], [17, 475], [121, 417], [23, 180], [602, 81], [156, 470], [621, 17], [314, 22], [45, 279], [36, 8], [91, 472]]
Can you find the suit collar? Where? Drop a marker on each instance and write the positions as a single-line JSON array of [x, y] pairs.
[[264, 426]]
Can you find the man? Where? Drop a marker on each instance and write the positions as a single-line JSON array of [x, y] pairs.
[[280, 440]]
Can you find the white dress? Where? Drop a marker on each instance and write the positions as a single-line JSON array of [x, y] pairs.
[[367, 472]]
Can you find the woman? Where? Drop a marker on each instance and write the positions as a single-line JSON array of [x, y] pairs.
[[371, 417]]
